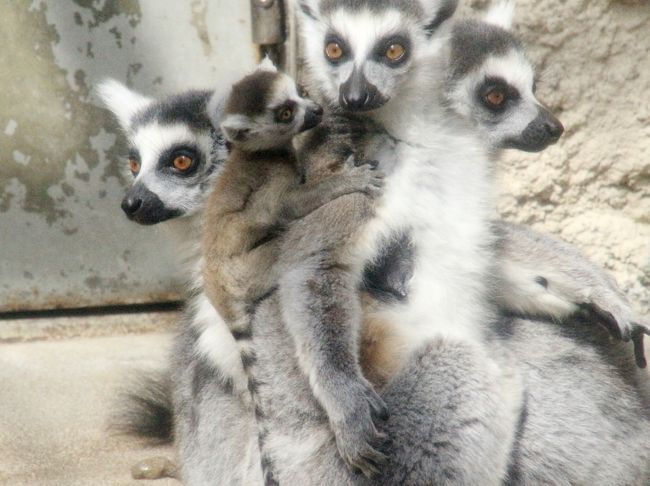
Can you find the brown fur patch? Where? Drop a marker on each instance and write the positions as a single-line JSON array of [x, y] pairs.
[[382, 353]]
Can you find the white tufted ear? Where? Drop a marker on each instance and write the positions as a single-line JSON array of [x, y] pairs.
[[217, 105], [267, 65], [501, 14], [436, 13], [122, 101], [236, 128]]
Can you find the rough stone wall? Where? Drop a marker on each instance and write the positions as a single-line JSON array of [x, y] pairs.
[[593, 188]]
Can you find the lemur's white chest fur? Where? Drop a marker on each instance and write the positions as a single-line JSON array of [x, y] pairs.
[[215, 342], [438, 190]]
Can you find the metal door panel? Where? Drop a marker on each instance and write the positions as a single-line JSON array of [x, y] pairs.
[[63, 239]]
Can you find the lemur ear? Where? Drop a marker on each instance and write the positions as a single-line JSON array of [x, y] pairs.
[[267, 65], [122, 101], [217, 105], [308, 9], [501, 14], [438, 12], [235, 129]]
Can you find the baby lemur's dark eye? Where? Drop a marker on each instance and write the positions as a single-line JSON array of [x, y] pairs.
[[183, 163], [134, 165], [285, 113], [495, 97]]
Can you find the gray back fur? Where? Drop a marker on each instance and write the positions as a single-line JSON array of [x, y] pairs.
[[216, 434], [580, 418]]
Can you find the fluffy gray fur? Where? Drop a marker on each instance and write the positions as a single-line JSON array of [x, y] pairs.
[[581, 421], [319, 299], [544, 276], [302, 450], [215, 431], [553, 403]]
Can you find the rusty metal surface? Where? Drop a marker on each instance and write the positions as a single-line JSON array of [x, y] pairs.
[[63, 239]]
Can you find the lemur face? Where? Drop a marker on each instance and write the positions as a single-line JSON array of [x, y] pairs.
[[360, 53], [492, 83], [265, 111], [174, 152]]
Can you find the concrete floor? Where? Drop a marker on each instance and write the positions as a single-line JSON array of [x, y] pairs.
[[55, 400], [58, 380]]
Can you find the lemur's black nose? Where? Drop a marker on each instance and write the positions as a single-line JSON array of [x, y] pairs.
[[554, 127], [131, 204], [145, 207], [359, 100], [358, 94]]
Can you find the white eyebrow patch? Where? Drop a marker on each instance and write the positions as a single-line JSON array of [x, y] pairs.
[[153, 139], [364, 28]]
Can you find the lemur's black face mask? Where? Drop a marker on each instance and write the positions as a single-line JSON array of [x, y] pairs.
[[358, 94], [144, 207], [313, 117], [543, 131]]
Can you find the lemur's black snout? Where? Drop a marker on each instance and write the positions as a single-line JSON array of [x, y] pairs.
[[358, 94], [543, 131], [130, 205], [554, 127], [144, 207], [313, 116]]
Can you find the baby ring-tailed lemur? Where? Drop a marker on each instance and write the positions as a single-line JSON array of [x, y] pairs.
[[196, 448], [259, 193]]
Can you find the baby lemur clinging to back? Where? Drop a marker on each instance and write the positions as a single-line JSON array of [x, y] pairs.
[[260, 205], [259, 192]]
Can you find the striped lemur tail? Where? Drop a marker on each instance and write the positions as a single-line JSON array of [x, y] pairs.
[[144, 408]]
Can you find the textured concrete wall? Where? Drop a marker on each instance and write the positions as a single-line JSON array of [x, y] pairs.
[[593, 188], [64, 241]]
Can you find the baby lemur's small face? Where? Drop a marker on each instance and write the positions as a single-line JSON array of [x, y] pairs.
[[265, 111], [492, 84]]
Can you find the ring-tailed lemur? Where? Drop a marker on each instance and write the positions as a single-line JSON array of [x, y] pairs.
[[494, 89], [210, 394], [537, 277], [379, 60], [447, 375]]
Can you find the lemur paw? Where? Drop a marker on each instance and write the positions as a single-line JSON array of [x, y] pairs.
[[365, 178], [357, 438], [622, 327]]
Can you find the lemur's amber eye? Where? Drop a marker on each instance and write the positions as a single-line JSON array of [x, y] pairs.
[[495, 97], [183, 163], [285, 115], [333, 51], [395, 52], [134, 165]]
